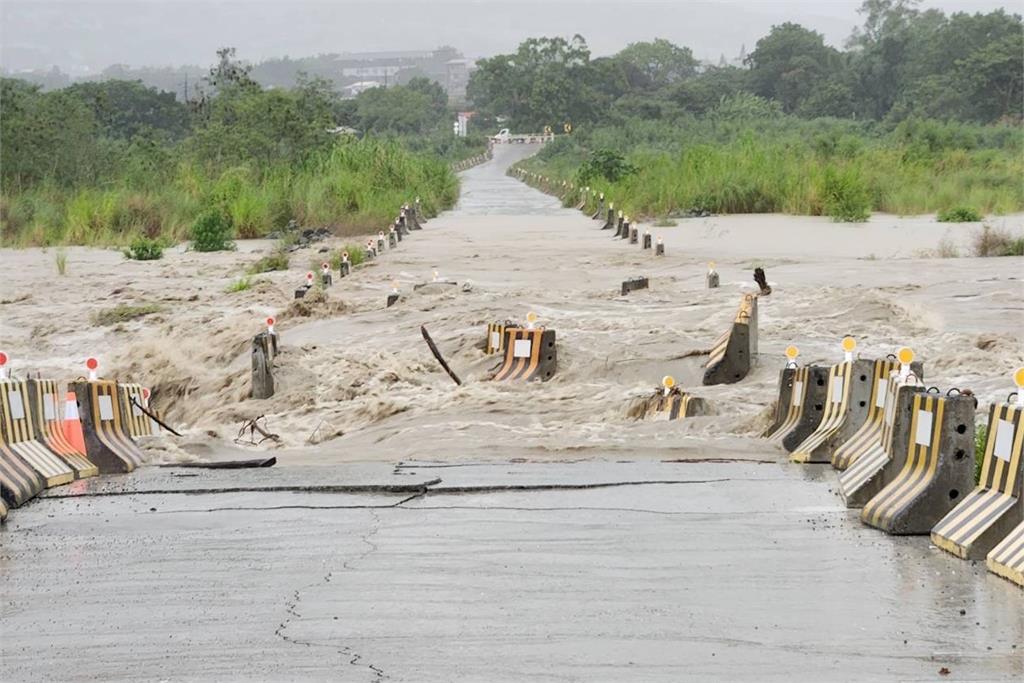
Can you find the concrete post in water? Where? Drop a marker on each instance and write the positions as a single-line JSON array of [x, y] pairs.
[[647, 239], [393, 296], [301, 291], [712, 278], [397, 228], [262, 367], [325, 275], [371, 249], [618, 225], [625, 228], [346, 267], [380, 241], [392, 238], [659, 248], [634, 235], [609, 221]]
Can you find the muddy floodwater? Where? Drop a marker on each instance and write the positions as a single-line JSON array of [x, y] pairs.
[[418, 530]]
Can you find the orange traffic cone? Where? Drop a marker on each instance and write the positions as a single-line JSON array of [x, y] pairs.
[[72, 423]]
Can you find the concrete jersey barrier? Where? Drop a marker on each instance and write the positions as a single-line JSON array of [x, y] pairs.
[[870, 429], [881, 460], [816, 447], [938, 469], [677, 404], [733, 353], [48, 409], [805, 415], [529, 354], [106, 442], [19, 434], [138, 423], [1007, 558], [782, 403], [995, 507]]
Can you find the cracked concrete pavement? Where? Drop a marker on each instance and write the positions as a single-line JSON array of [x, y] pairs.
[[553, 571]]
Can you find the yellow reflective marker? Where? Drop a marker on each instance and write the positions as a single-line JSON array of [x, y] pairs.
[[668, 381], [849, 344], [611, 205], [905, 355], [1018, 378], [792, 352], [531, 317]]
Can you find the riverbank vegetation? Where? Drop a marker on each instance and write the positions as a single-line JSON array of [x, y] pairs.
[[107, 163], [921, 112]]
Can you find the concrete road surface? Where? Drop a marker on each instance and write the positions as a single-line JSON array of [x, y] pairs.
[[589, 571]]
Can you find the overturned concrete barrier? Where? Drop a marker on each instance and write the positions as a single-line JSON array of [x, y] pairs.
[[48, 412], [878, 461], [994, 508], [734, 352], [712, 279], [530, 354], [19, 432], [107, 444], [633, 284], [938, 470]]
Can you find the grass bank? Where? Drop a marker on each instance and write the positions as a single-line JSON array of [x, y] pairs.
[[786, 165], [355, 186]]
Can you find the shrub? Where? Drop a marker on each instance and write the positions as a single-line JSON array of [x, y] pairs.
[[356, 255], [212, 231], [991, 241], [123, 313], [239, 285], [607, 164], [846, 196], [980, 436], [276, 260], [959, 214], [144, 249], [62, 261]]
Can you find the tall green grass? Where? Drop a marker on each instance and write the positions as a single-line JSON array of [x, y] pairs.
[[356, 186], [838, 168]]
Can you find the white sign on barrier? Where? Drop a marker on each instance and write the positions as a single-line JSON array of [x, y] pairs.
[[49, 406], [1004, 440], [136, 410], [924, 428], [798, 393], [883, 386], [495, 340], [106, 408], [837, 390], [17, 407], [71, 410], [890, 408], [522, 348]]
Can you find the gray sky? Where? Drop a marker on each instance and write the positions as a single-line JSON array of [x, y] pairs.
[[82, 35]]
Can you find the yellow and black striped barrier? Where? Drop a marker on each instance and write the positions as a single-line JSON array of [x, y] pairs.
[[19, 435], [3, 510], [106, 442], [938, 471], [530, 354], [849, 384], [48, 413], [994, 508], [733, 353], [783, 403], [19, 483], [667, 402], [871, 428], [495, 342], [1007, 558], [807, 404], [877, 461], [133, 399]]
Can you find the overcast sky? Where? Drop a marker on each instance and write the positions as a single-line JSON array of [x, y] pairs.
[[82, 35]]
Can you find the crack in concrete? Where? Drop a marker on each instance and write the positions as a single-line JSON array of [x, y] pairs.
[[413, 489], [291, 605]]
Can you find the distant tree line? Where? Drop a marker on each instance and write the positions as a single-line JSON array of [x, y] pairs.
[[902, 63]]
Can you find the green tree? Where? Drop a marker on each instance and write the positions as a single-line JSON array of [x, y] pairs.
[[789, 63], [660, 62], [125, 108]]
